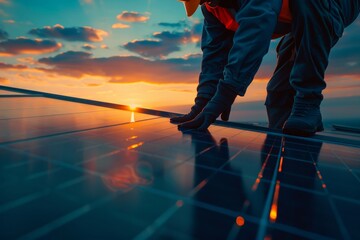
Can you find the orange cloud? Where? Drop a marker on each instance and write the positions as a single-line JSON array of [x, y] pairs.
[[93, 84], [4, 80], [132, 17], [12, 67], [120, 25], [27, 60], [88, 47], [23, 45]]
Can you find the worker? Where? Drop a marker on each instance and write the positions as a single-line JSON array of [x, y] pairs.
[[236, 36]]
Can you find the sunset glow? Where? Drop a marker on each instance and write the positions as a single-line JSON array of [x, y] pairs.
[[145, 53]]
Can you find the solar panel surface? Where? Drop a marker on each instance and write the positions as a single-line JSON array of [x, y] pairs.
[[76, 171]]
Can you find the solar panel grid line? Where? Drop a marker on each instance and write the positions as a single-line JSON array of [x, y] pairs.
[[300, 232], [34, 196], [264, 221], [53, 115], [67, 140], [43, 173], [216, 170], [23, 200], [37, 233], [158, 223], [347, 167], [14, 165], [351, 200], [341, 225], [60, 163], [303, 189], [63, 133]]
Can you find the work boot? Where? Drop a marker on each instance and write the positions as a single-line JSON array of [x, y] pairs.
[[305, 118]]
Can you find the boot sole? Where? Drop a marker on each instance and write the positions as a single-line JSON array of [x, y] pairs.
[[302, 133]]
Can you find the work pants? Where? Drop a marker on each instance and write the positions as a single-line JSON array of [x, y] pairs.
[[303, 55]]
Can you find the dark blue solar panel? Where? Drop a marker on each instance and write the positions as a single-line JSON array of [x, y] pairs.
[[76, 171]]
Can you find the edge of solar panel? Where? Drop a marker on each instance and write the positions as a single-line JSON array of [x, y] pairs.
[[349, 140]]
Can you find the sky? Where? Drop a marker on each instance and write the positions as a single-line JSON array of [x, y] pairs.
[[140, 52]]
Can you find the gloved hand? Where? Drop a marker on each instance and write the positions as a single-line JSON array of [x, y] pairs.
[[200, 103], [219, 104]]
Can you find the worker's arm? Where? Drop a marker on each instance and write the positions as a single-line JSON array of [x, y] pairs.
[[216, 42], [257, 21]]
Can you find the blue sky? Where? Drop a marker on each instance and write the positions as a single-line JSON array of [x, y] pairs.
[[141, 52]]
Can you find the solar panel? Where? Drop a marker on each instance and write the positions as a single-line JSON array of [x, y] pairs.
[[77, 171]]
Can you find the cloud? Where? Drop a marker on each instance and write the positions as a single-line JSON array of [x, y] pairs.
[[3, 35], [132, 17], [10, 21], [23, 45], [4, 80], [104, 46], [88, 47], [4, 2], [124, 69], [151, 48], [81, 34], [87, 1], [12, 67], [345, 56], [164, 43], [180, 24], [3, 13], [120, 25], [27, 60], [93, 84]]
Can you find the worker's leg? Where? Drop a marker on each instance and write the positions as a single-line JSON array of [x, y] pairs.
[[316, 28], [280, 94]]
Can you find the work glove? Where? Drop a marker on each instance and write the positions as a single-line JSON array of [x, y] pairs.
[[199, 105], [219, 104]]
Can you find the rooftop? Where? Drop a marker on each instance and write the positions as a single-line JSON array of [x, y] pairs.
[[73, 168]]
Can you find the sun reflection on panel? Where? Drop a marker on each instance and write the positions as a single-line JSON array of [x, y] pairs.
[[136, 145], [132, 118], [240, 221], [274, 206], [125, 179]]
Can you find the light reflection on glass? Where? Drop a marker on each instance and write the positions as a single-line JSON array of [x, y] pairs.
[[281, 163], [179, 203], [240, 221], [260, 175], [128, 177], [131, 138], [274, 205], [132, 119], [136, 145]]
